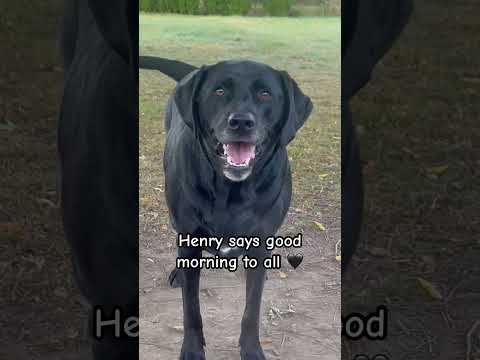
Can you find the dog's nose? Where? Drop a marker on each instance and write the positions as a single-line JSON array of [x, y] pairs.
[[241, 121]]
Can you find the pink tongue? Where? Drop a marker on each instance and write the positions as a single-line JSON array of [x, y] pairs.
[[240, 152]]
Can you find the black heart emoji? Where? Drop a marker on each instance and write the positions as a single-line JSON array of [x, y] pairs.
[[295, 260]]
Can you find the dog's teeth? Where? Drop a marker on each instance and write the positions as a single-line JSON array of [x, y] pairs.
[[237, 165]]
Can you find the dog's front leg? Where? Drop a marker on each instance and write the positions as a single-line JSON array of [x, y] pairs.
[[193, 340], [250, 348]]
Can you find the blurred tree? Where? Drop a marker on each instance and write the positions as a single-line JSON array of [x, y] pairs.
[[243, 7], [278, 7]]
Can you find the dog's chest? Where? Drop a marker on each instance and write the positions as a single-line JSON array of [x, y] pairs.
[[231, 213]]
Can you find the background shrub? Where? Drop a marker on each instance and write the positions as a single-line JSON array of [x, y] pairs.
[[215, 7], [277, 7], [170, 6], [244, 7], [240, 7], [143, 5]]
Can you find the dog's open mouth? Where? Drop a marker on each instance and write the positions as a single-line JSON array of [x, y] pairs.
[[239, 154]]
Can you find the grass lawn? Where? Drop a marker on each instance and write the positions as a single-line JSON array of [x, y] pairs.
[[308, 48]]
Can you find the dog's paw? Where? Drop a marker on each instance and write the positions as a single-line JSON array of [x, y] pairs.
[[252, 353], [192, 355], [192, 347]]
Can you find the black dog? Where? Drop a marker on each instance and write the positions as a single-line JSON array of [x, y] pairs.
[[98, 148], [227, 172]]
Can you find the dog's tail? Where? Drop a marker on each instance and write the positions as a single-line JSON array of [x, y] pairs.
[[176, 70]]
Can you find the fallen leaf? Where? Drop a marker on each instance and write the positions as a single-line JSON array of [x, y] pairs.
[[60, 292], [428, 260], [146, 200], [457, 185], [154, 215], [438, 169], [275, 352], [72, 333], [378, 251], [323, 175], [265, 341], [338, 258], [410, 152], [10, 229], [208, 292], [319, 225], [471, 80], [178, 328], [39, 261], [47, 202], [7, 126], [430, 289], [282, 275]]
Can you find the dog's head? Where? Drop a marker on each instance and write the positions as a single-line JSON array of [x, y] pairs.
[[240, 111]]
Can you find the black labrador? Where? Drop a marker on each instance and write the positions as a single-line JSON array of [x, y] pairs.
[[227, 172], [98, 149]]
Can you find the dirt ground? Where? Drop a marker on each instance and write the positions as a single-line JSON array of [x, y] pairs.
[[291, 325]]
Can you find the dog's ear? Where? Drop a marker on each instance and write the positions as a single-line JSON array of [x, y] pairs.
[[186, 95], [118, 24], [298, 108]]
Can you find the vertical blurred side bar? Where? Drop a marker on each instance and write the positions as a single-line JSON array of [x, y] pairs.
[[369, 28], [98, 148]]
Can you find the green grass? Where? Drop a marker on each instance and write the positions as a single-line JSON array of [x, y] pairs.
[[308, 48], [314, 41]]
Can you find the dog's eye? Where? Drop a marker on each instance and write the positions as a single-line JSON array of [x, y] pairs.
[[264, 95], [219, 92]]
